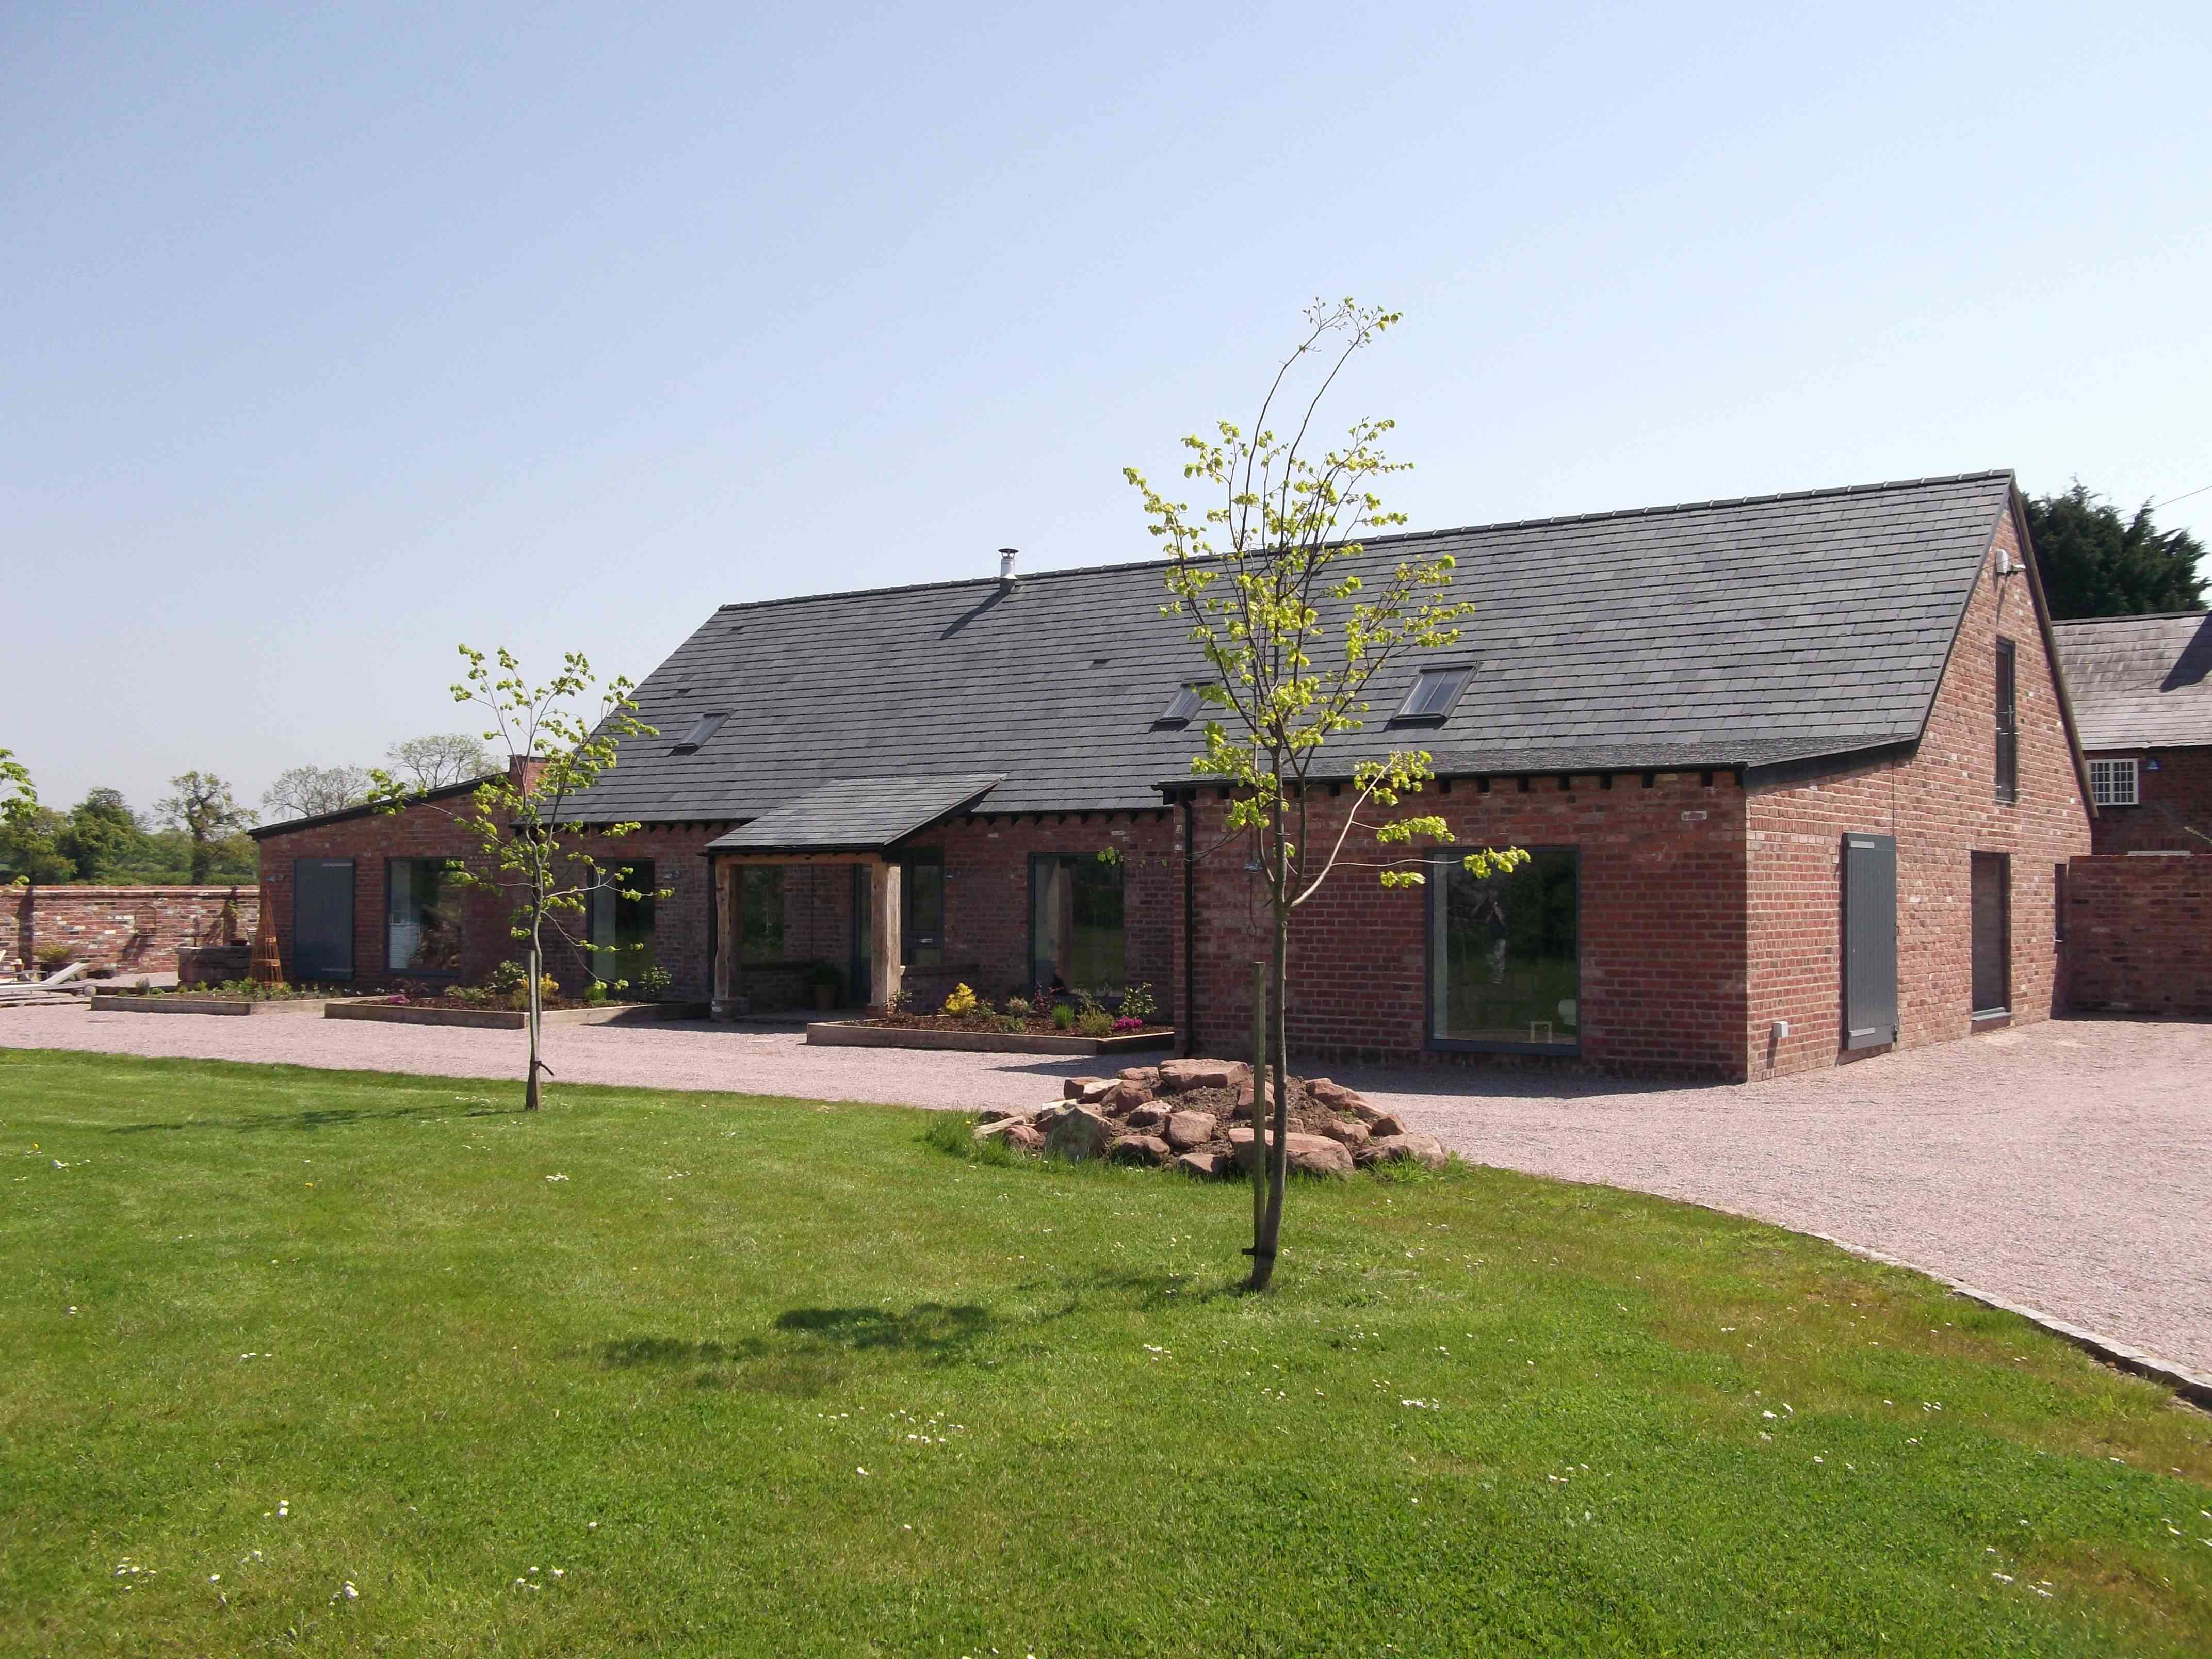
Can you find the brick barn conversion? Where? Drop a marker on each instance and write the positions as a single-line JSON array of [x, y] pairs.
[[1798, 774]]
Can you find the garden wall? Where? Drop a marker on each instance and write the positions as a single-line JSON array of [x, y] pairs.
[[2139, 933], [122, 927]]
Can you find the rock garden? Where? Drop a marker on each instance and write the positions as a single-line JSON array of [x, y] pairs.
[[1195, 1115]]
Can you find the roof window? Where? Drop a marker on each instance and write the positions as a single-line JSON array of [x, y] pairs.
[[1433, 695], [1183, 710], [702, 729]]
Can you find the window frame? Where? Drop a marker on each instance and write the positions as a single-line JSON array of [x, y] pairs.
[[443, 976], [1440, 862], [1429, 672], [2007, 675], [2100, 790]]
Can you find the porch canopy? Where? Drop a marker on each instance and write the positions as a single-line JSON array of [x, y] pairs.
[[846, 821]]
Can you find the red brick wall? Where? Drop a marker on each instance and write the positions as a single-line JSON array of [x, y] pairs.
[[2175, 813], [1940, 804], [987, 897], [2139, 933], [430, 831], [125, 928], [1660, 871]]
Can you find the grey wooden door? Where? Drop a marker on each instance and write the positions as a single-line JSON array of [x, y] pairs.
[[322, 919]]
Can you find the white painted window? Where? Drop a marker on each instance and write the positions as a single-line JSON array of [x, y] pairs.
[[2113, 782]]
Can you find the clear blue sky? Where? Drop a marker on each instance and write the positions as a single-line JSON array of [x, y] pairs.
[[330, 337]]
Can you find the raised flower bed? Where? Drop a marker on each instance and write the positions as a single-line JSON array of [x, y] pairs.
[[881, 1034], [1055, 1022], [449, 1011], [235, 997]]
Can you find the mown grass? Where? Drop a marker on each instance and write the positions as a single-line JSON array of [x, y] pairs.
[[765, 1376]]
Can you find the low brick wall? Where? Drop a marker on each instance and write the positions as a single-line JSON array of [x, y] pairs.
[[2139, 934], [125, 928]]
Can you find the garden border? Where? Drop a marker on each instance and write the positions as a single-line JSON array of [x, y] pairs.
[[129, 1002], [860, 1034], [513, 1019]]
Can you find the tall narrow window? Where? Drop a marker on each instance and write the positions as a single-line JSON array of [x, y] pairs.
[[423, 917], [622, 926], [760, 895], [2008, 722], [1075, 923], [1504, 956], [923, 898], [2058, 903]]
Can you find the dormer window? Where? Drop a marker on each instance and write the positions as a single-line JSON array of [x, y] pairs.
[[1183, 710], [1433, 695], [702, 729]]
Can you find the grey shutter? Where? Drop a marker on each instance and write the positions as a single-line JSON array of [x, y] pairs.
[[322, 919], [1869, 941]]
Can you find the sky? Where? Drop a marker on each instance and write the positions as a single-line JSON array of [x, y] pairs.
[[332, 337]]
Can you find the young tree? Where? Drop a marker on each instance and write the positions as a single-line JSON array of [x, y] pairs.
[[2095, 563], [203, 808], [1270, 577], [526, 847], [440, 758], [307, 792]]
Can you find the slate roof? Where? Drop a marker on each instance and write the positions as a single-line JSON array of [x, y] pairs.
[[1720, 634], [856, 815], [2140, 681]]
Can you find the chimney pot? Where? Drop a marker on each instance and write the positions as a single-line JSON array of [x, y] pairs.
[[1007, 556]]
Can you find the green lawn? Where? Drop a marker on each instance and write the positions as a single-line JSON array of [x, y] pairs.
[[706, 1374]]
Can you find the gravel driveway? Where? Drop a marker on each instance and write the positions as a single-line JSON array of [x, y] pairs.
[[2067, 1166]]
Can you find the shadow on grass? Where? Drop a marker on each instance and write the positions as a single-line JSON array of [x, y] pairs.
[[313, 1118], [806, 1354]]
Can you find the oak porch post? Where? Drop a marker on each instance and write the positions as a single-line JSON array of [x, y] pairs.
[[887, 969], [727, 939]]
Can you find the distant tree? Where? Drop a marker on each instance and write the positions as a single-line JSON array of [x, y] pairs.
[[1292, 638], [306, 791], [204, 810], [27, 852], [103, 836], [2095, 563], [440, 758], [557, 745]]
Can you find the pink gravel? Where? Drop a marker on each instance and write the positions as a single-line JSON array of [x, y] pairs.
[[2066, 1166]]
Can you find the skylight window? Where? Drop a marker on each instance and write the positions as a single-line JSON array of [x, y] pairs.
[[1183, 710], [1434, 693], [702, 729]]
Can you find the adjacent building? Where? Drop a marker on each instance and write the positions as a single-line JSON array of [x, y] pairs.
[[1797, 773], [2143, 702]]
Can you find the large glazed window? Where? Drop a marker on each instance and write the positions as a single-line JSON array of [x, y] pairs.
[[923, 894], [1505, 955], [622, 926], [1075, 921], [421, 917]]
